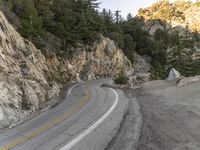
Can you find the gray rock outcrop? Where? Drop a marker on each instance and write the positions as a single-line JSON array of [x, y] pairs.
[[28, 78]]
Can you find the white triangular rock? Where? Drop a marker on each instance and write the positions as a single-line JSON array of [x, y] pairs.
[[173, 75]]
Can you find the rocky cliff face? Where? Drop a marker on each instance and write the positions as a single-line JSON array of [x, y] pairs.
[[28, 78]]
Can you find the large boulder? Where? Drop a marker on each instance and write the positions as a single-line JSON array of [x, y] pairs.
[[173, 75]]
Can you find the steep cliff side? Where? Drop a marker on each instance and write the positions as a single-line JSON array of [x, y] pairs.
[[28, 78]]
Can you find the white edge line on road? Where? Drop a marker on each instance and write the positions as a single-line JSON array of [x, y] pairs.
[[71, 89], [76, 140]]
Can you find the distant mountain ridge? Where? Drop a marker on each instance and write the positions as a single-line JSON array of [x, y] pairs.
[[180, 13], [176, 29]]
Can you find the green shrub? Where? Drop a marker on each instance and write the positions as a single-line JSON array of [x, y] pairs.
[[122, 79]]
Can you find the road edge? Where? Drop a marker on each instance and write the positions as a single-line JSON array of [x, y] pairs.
[[132, 122], [76, 140]]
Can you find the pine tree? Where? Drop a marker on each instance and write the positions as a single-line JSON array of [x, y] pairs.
[[129, 17], [117, 15], [43, 8], [31, 22]]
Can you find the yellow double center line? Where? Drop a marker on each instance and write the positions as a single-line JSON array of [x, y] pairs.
[[54, 122]]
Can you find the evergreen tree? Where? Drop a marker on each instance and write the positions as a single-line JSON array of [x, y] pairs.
[[117, 15], [129, 17], [43, 8], [31, 23]]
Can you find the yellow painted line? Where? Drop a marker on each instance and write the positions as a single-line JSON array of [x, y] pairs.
[[56, 121]]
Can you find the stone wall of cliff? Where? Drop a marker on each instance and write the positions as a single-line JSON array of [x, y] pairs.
[[28, 78]]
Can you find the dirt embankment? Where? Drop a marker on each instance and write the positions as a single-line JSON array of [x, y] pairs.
[[171, 116]]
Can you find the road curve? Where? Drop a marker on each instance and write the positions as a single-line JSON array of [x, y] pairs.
[[87, 119], [76, 140]]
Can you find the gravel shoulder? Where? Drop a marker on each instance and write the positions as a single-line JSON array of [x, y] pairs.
[[170, 114]]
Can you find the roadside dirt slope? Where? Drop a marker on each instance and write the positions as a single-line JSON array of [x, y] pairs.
[[171, 116]]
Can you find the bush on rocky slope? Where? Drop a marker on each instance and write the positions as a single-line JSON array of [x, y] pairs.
[[122, 79]]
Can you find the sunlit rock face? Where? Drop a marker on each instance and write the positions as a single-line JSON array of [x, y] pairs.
[[28, 78], [177, 15], [23, 82]]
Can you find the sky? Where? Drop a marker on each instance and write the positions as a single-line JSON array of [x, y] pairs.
[[126, 6]]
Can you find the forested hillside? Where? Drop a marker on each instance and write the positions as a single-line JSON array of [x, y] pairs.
[[175, 27], [62, 24], [167, 32], [71, 21]]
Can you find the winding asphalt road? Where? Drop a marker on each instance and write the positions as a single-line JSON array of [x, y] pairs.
[[87, 119]]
